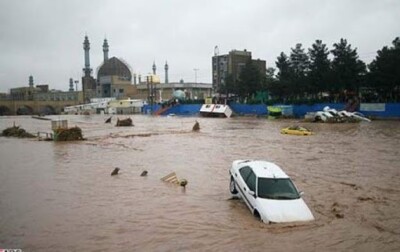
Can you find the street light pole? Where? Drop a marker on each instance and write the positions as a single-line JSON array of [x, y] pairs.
[[195, 74]]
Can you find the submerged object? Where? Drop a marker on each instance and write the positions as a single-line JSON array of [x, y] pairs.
[[115, 171], [183, 182], [68, 134], [16, 131], [272, 197], [172, 178], [196, 126], [108, 120], [274, 112], [332, 115], [296, 130], [124, 122], [144, 173], [215, 110]]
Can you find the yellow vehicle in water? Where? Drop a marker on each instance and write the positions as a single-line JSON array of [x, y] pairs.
[[274, 112], [296, 130]]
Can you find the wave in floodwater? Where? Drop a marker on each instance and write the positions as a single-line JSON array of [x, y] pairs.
[[60, 196]]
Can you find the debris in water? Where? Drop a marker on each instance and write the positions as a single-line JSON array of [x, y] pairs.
[[16, 131], [108, 120], [144, 173], [196, 126], [124, 122], [115, 171], [172, 178], [68, 134]]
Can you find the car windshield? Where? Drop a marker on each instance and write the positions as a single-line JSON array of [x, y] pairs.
[[272, 188]]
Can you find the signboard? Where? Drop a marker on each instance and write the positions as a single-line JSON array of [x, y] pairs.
[[378, 107]]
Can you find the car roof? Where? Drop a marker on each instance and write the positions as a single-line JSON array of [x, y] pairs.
[[264, 169]]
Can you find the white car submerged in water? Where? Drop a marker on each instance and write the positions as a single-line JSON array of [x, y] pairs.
[[332, 115], [268, 192]]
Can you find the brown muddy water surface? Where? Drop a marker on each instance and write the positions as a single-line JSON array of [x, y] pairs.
[[60, 196]]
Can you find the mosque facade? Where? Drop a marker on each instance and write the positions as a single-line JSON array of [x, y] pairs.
[[115, 79]]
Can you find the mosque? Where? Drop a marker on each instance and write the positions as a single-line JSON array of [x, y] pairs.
[[114, 79]]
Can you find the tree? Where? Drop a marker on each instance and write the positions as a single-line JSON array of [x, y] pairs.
[[228, 86], [347, 69], [272, 84], [284, 76], [299, 67], [250, 81], [319, 75], [384, 73]]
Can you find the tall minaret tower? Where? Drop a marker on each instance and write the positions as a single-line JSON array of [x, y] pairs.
[[154, 68], [31, 81], [166, 72], [71, 85], [105, 50], [86, 46]]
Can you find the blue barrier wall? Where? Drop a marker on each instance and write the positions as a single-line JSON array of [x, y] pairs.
[[148, 109], [246, 109], [388, 110], [184, 109]]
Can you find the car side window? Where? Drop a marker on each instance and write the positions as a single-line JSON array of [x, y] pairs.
[[244, 172], [251, 181], [249, 177]]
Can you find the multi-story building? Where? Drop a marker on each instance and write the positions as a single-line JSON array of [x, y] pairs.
[[232, 64]]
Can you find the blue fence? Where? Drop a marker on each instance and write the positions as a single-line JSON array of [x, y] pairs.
[[246, 109], [378, 110]]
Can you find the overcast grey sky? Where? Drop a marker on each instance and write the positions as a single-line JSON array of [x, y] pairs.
[[44, 38]]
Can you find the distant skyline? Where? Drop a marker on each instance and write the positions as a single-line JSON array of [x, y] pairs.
[[44, 38]]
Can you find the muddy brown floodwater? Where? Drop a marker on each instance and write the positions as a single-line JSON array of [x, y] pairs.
[[60, 196]]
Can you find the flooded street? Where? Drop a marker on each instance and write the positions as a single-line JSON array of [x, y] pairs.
[[60, 196]]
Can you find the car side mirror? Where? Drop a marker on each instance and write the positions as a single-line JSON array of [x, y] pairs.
[[301, 193], [252, 193]]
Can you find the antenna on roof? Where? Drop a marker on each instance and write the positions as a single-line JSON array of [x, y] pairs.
[[216, 51]]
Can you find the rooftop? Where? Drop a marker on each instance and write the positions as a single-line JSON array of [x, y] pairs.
[[264, 169]]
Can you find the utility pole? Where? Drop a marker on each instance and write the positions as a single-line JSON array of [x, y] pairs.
[[195, 74], [76, 85]]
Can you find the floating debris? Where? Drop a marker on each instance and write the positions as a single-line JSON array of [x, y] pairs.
[[108, 120], [115, 171], [337, 211], [71, 134], [16, 131], [183, 182], [144, 173], [172, 178], [124, 122], [41, 117], [196, 126]]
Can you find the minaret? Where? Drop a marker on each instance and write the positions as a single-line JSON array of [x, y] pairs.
[[105, 50], [31, 81], [71, 85], [134, 79], [166, 72], [154, 68], [86, 46]]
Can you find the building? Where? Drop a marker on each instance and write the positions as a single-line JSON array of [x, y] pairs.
[[114, 79], [165, 91], [232, 64]]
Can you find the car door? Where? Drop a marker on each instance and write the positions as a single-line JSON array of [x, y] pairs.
[[247, 186]]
